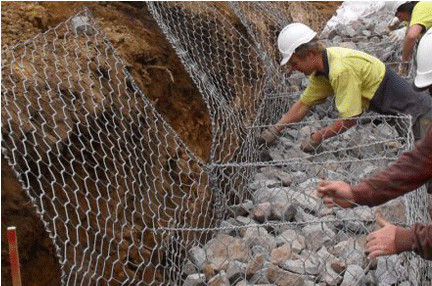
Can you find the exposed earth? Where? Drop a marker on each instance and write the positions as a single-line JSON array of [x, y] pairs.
[[158, 72]]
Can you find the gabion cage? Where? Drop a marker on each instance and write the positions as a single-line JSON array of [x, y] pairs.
[[126, 202]]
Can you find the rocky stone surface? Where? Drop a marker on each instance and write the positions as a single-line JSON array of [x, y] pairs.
[[300, 241]]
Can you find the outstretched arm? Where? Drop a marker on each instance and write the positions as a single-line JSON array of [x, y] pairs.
[[334, 129], [409, 42], [295, 114]]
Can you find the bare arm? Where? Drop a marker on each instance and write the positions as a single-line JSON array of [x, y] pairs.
[[334, 129], [296, 113], [409, 42]]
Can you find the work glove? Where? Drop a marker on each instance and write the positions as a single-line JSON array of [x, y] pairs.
[[268, 136], [397, 35], [393, 24], [309, 145]]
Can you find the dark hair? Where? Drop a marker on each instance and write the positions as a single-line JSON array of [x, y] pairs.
[[314, 46], [406, 7]]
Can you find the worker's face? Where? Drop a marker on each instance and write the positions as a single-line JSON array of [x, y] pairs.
[[403, 16], [305, 65]]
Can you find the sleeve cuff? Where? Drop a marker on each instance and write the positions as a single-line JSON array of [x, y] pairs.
[[404, 239]]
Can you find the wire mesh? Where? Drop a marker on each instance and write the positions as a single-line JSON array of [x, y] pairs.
[[102, 167], [127, 203]]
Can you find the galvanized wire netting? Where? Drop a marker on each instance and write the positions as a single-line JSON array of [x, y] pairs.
[[102, 167], [127, 203]]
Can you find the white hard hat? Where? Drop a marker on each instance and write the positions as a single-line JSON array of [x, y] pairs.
[[424, 61], [393, 5], [291, 37]]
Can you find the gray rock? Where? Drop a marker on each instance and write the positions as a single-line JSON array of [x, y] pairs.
[[281, 277], [277, 174], [223, 249], [262, 212], [219, 280], [390, 270], [259, 236], [293, 238], [197, 256], [235, 271], [189, 268], [354, 275], [310, 264], [317, 235], [196, 279]]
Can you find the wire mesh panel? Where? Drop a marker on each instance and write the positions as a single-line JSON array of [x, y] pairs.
[[223, 62], [103, 168], [127, 203], [286, 236]]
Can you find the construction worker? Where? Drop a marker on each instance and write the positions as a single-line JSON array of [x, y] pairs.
[[418, 16], [358, 81], [410, 171]]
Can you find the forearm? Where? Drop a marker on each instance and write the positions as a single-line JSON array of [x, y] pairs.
[[334, 129], [418, 238], [410, 171], [296, 113], [409, 42], [407, 49]]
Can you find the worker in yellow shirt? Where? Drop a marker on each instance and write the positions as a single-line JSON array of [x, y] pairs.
[[418, 16], [358, 81]]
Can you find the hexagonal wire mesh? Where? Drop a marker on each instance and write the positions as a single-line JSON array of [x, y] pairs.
[[126, 202], [257, 203], [104, 170]]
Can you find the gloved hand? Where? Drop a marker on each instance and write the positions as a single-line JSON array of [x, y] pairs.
[[309, 145], [268, 136], [393, 24], [397, 35]]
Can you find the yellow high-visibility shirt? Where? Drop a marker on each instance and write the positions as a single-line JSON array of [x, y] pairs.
[[422, 15], [354, 77]]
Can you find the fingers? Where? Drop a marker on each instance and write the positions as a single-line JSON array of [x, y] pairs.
[[380, 220], [383, 241], [325, 189]]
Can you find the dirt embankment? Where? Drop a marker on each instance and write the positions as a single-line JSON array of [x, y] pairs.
[[156, 69]]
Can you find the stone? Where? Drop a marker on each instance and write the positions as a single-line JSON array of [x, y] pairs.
[[280, 277], [189, 268], [195, 280], [219, 280], [254, 265], [317, 235], [354, 275], [293, 238], [262, 212], [309, 263], [235, 271], [281, 254], [259, 236], [223, 249], [197, 256]]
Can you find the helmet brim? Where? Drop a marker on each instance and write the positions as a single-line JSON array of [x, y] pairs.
[[285, 60], [423, 80]]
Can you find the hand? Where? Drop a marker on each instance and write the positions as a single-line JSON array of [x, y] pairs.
[[335, 193], [403, 69], [397, 35], [268, 136], [393, 24], [383, 241], [309, 145]]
